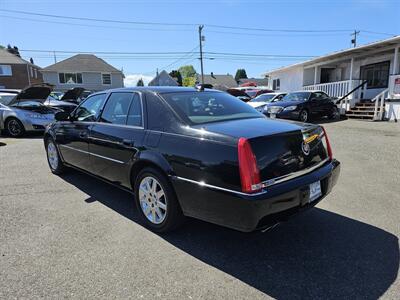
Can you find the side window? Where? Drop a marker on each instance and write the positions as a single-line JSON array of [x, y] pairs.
[[116, 109], [135, 112], [159, 115], [90, 109]]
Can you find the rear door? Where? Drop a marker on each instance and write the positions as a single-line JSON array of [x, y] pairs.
[[72, 136], [115, 139]]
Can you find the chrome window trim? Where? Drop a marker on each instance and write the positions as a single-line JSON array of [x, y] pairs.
[[265, 184], [94, 154]]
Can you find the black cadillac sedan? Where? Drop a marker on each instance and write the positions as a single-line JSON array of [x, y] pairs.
[[198, 153], [303, 106]]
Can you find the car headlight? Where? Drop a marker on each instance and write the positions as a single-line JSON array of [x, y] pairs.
[[37, 116], [260, 108], [290, 108]]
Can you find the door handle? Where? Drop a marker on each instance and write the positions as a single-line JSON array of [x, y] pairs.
[[83, 134], [128, 143]]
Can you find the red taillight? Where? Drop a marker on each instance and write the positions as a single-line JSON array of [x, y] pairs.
[[328, 144], [249, 173]]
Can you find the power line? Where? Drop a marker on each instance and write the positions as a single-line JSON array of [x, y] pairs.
[[176, 24], [92, 25], [168, 53], [96, 20]]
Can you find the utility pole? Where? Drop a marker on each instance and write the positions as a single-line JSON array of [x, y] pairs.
[[55, 58], [354, 40], [201, 39]]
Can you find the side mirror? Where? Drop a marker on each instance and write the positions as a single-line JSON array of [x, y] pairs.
[[62, 116]]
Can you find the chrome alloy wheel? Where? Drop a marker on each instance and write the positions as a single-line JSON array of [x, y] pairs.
[[304, 116], [153, 200], [52, 155], [14, 127]]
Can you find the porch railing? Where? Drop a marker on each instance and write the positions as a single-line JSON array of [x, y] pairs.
[[334, 89], [379, 100]]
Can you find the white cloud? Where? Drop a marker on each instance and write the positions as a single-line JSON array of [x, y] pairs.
[[132, 79]]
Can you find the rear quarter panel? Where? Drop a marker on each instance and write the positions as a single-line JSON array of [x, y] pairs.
[[202, 159]]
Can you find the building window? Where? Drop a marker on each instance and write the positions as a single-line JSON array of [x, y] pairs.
[[5, 70], [376, 75], [276, 84], [106, 78], [70, 78]]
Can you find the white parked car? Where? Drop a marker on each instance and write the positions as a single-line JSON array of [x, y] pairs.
[[262, 100]]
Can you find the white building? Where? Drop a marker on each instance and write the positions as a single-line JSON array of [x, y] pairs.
[[377, 64]]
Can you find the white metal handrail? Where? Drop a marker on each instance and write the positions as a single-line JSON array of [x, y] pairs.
[[379, 105], [334, 89]]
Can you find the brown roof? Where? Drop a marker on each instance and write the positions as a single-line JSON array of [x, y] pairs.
[[9, 58], [82, 63]]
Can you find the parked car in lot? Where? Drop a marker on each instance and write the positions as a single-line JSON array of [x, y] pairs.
[[24, 111], [198, 153], [303, 106], [68, 101], [260, 102]]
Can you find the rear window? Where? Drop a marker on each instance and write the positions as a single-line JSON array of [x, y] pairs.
[[207, 107]]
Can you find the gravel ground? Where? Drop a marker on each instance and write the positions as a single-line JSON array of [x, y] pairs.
[[76, 237]]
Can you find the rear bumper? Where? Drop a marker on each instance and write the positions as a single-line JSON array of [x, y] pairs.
[[249, 212]]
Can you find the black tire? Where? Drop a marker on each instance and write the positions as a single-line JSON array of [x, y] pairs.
[[304, 116], [173, 214], [14, 127], [58, 167], [334, 114]]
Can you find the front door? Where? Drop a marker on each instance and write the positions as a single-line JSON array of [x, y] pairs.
[[115, 139], [72, 136]]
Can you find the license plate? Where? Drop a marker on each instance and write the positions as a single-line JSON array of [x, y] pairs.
[[272, 116], [315, 191]]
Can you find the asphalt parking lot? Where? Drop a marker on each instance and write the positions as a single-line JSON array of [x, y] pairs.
[[76, 237]]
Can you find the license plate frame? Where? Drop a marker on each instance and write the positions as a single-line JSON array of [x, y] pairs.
[[315, 191]]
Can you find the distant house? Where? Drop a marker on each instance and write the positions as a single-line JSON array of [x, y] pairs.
[[163, 79], [257, 81], [83, 70], [221, 82], [17, 73], [371, 71]]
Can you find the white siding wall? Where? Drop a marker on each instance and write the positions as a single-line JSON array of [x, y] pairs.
[[290, 80], [90, 81]]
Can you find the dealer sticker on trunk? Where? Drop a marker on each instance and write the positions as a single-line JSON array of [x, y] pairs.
[[315, 191]]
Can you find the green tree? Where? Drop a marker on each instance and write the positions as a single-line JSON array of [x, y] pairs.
[[189, 81], [140, 82], [240, 74], [176, 75], [187, 71]]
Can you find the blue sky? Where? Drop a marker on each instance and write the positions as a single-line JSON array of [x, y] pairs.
[[35, 32]]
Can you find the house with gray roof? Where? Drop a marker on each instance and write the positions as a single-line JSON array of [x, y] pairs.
[[17, 73], [163, 79], [221, 82], [83, 70]]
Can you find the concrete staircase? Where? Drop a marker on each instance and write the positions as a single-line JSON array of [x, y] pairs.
[[363, 110]]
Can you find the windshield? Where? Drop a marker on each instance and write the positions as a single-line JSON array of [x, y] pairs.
[[263, 98], [207, 107], [299, 96], [6, 99]]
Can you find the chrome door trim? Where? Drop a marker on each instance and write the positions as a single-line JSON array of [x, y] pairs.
[[93, 154]]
